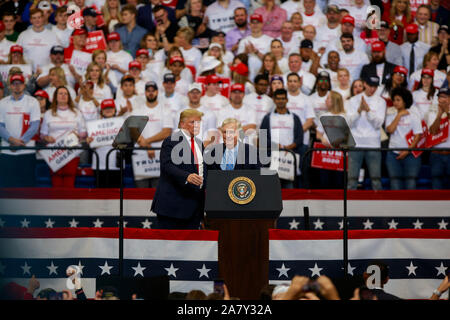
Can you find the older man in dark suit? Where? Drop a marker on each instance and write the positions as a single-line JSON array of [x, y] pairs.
[[232, 154], [180, 195]]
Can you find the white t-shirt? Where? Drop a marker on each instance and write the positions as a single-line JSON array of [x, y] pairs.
[[317, 19], [405, 125], [430, 117], [5, 46], [421, 104], [245, 114], [366, 126], [207, 125], [121, 58], [291, 7], [62, 35], [214, 103], [36, 45], [65, 120], [325, 36], [220, 18], [88, 109], [136, 103], [353, 62], [292, 46], [308, 80], [192, 57], [174, 102], [302, 107], [102, 93], [261, 104], [282, 128], [345, 93], [360, 15], [158, 118], [318, 104], [139, 87], [14, 114], [262, 43]]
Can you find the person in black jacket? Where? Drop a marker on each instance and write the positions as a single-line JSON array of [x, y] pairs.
[[283, 128], [378, 62], [179, 199]]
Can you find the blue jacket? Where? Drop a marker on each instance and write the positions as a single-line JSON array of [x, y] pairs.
[[131, 40], [174, 197]]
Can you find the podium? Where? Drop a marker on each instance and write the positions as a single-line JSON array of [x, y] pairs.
[[243, 205]]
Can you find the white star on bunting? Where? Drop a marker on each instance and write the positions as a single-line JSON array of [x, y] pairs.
[[97, 223], [318, 224], [80, 267], [293, 224], [418, 224], [146, 224], [25, 223], [139, 270], [49, 223], [367, 224], [411, 269], [171, 271], [283, 271], [73, 223], [52, 269], [441, 269], [442, 225], [105, 268], [316, 270], [203, 271], [392, 224], [26, 268]]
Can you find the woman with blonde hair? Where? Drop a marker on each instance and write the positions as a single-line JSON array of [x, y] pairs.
[[101, 90], [111, 14], [270, 66], [398, 17], [58, 79], [343, 77], [100, 57], [335, 108]]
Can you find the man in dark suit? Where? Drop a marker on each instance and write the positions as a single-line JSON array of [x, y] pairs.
[[377, 289], [233, 153], [378, 63], [179, 199]]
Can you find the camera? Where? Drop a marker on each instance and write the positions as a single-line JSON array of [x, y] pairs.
[[312, 286]]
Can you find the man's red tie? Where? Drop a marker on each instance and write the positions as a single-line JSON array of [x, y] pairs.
[[195, 153]]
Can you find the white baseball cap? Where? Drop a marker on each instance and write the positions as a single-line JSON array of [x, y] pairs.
[[195, 86]]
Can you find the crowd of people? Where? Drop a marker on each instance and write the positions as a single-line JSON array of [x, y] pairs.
[[271, 65]]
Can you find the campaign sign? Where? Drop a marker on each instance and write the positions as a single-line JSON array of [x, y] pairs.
[[143, 166], [80, 60], [422, 142], [95, 41], [103, 131], [283, 162], [56, 159], [329, 160], [439, 137]]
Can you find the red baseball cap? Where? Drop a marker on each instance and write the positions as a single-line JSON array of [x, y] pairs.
[[113, 36], [348, 19], [427, 71], [237, 86], [142, 51], [41, 93], [16, 48], [2, 26], [401, 69], [107, 103], [240, 68], [256, 16], [212, 78], [17, 77], [176, 59], [79, 32], [412, 28], [134, 64], [378, 46]]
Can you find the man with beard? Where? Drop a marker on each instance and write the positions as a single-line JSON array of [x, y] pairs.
[[159, 127], [393, 51], [241, 30], [351, 59], [378, 66]]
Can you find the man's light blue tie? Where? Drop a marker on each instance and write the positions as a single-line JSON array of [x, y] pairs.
[[229, 160]]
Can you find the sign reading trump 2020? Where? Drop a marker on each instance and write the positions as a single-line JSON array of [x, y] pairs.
[[329, 160], [56, 159], [103, 131], [144, 166]]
